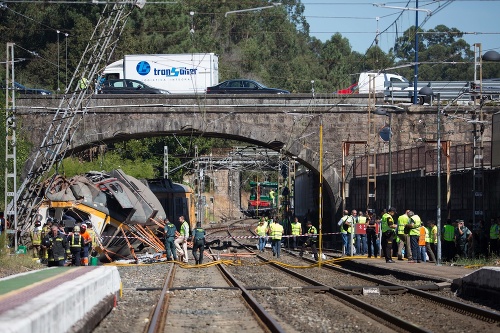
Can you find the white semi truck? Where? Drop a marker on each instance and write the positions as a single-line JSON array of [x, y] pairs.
[[177, 73]]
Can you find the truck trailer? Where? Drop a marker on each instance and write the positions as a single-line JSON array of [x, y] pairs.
[[177, 73]]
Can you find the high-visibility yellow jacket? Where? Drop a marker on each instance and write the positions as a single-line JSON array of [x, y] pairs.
[[386, 222], [402, 222], [417, 222], [296, 228]]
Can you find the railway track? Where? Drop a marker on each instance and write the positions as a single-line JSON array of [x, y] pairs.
[[254, 293], [398, 304], [230, 307]]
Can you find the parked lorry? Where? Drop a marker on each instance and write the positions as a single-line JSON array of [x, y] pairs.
[[177, 73]]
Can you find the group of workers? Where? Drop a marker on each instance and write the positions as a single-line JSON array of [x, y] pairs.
[[176, 242], [410, 237], [269, 228], [55, 245]]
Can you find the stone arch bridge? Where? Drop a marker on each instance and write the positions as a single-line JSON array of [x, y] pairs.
[[290, 123]]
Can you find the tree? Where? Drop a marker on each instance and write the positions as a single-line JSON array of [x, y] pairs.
[[443, 55]]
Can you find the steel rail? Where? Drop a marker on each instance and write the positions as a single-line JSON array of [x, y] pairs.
[[374, 312], [455, 305], [157, 322], [270, 323], [263, 315]]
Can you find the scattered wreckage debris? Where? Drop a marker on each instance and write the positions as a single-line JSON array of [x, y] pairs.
[[125, 214]]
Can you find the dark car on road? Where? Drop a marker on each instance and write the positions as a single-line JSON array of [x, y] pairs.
[[23, 90], [242, 86], [125, 86]]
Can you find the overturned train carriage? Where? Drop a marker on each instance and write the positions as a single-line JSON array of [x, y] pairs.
[[176, 199], [124, 212]]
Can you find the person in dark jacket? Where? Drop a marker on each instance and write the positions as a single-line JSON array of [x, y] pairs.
[[57, 247], [170, 230], [76, 243], [198, 243]]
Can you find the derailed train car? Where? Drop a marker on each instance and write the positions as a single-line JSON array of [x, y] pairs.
[[123, 211], [176, 199]]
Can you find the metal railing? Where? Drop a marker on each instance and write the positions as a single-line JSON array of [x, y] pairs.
[[461, 91]]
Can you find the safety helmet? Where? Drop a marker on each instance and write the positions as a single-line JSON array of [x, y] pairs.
[[83, 227], [76, 228], [38, 223]]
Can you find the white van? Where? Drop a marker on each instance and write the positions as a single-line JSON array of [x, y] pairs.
[[381, 81]]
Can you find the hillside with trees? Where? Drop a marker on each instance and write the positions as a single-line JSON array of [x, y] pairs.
[[272, 46]]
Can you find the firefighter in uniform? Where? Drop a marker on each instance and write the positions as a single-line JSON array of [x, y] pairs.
[[296, 232], [57, 247], [36, 239], [312, 233], [198, 243], [387, 225], [76, 243]]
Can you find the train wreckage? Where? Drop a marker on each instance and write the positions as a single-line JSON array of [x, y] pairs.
[[125, 213]]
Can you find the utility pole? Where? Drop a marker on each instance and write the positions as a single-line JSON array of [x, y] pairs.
[[165, 162], [10, 143], [371, 156]]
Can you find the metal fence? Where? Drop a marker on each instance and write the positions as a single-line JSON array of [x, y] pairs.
[[461, 91], [424, 160]]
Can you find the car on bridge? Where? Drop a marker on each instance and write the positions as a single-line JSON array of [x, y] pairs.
[[126, 86], [23, 90], [243, 86]]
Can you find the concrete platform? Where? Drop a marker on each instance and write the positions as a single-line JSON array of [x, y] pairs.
[[428, 270], [56, 300], [484, 283]]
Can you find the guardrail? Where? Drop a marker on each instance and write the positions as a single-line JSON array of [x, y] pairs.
[[460, 91]]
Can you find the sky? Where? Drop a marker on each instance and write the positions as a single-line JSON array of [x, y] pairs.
[[356, 20]]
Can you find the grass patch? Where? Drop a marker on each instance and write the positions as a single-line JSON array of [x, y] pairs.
[[11, 263], [478, 262]]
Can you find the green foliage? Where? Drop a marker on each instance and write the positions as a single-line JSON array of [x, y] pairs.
[[136, 168], [444, 55], [272, 46]]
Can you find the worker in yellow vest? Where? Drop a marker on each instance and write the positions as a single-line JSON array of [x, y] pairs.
[[430, 238], [312, 239], [448, 235], [404, 238], [344, 225], [388, 226], [414, 223], [261, 231], [276, 233], [36, 239], [296, 232]]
